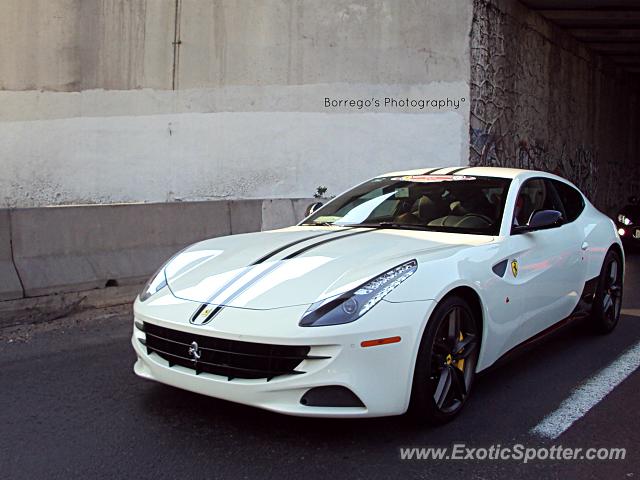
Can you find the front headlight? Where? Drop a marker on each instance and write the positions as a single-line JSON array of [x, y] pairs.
[[623, 219], [351, 305], [156, 283]]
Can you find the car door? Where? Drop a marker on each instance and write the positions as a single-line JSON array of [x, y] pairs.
[[547, 265]]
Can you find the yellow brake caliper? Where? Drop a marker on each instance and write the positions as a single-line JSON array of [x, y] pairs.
[[460, 363]]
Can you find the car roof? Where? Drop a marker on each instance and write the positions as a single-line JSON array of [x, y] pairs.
[[499, 172]]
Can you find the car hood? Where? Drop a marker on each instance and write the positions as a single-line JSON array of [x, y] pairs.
[[298, 265]]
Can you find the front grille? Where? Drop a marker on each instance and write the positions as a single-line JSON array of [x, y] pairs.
[[229, 358]]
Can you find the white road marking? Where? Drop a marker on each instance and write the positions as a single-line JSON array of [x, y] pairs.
[[587, 395]]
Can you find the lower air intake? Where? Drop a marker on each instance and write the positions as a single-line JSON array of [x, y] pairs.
[[331, 396]]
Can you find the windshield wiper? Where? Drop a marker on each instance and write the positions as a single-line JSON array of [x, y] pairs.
[[401, 226], [408, 226]]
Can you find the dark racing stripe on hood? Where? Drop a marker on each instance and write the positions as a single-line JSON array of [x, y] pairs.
[[291, 244], [200, 318], [257, 262]]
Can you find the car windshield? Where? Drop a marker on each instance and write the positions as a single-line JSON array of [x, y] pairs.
[[448, 203]]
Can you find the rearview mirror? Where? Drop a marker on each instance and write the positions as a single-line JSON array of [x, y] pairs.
[[314, 207], [539, 220]]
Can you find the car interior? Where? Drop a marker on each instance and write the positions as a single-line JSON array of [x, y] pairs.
[[474, 205], [451, 207]]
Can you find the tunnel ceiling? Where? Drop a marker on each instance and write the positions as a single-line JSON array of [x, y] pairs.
[[609, 27]]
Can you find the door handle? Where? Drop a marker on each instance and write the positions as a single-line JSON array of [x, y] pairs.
[[584, 245]]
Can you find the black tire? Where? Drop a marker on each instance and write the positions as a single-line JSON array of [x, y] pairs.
[[607, 302], [441, 382]]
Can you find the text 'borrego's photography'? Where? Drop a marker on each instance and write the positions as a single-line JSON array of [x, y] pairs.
[[395, 103]]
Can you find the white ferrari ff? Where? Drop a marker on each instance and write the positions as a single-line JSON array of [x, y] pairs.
[[388, 299]]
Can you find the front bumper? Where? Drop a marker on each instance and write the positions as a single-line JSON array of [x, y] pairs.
[[380, 376]]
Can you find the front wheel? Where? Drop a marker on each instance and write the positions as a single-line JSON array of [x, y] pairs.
[[607, 302], [446, 362]]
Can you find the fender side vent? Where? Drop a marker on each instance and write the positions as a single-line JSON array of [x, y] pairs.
[[500, 267]]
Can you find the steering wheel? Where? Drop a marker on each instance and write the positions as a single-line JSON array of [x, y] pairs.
[[478, 215]]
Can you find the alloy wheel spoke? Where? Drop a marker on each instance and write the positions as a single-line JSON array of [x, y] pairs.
[[458, 382], [468, 350], [454, 324], [613, 272], [444, 385], [607, 302], [467, 341]]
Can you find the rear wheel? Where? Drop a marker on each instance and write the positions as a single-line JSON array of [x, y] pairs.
[[607, 303], [446, 363]]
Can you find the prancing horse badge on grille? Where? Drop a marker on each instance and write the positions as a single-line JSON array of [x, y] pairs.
[[194, 351]]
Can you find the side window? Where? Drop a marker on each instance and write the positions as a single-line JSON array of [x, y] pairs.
[[571, 200], [530, 198], [535, 194], [553, 200]]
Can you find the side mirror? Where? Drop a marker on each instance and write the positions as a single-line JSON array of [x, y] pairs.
[[539, 220], [314, 207]]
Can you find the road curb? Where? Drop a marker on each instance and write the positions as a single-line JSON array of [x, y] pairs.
[[36, 310]]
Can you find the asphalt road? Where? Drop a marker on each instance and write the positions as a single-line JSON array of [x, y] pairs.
[[71, 407]]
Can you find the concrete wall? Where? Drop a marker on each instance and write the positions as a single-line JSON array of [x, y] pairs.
[[99, 105], [55, 250], [541, 100]]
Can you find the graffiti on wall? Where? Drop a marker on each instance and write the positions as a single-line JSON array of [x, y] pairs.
[[535, 105], [579, 165]]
